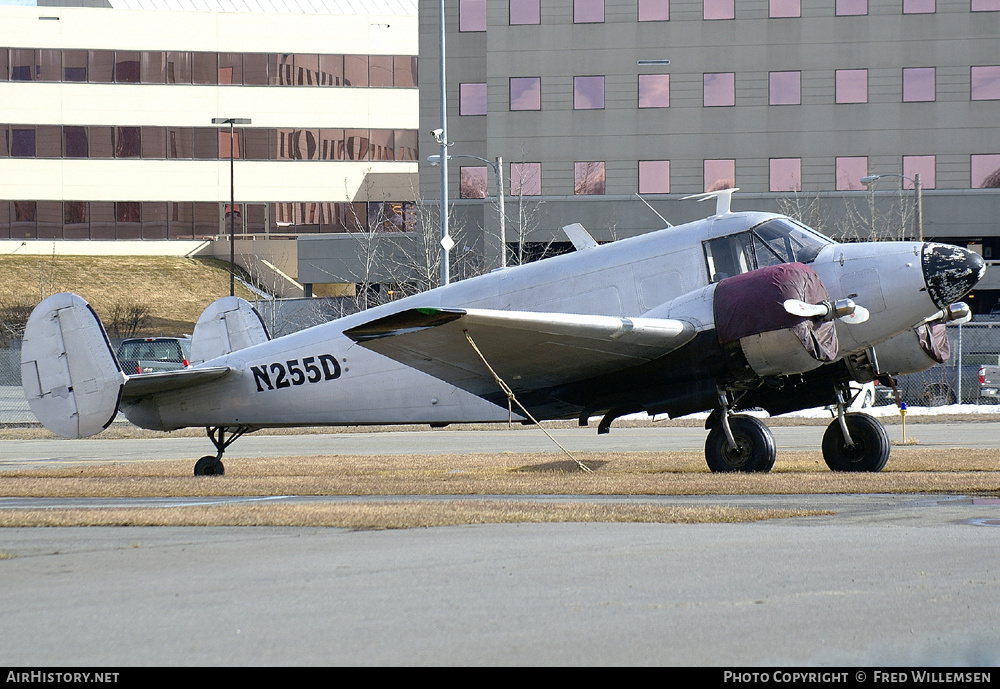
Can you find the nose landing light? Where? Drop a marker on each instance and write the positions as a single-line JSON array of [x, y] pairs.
[[950, 272]]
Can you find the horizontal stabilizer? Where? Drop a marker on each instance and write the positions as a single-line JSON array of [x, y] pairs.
[[528, 350], [228, 325], [71, 378], [152, 383]]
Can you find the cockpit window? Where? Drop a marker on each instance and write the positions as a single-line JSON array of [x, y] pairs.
[[779, 240], [790, 240]]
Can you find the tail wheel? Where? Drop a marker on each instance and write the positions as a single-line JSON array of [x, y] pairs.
[[755, 450], [869, 452]]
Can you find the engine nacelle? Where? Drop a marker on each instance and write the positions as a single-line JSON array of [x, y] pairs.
[[915, 350], [753, 325]]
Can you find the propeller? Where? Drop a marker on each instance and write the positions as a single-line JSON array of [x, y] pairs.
[[844, 309], [957, 313]]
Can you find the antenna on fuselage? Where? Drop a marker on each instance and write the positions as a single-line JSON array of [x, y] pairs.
[[653, 209], [723, 199]]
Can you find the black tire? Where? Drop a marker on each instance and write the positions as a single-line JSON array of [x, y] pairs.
[[755, 451], [209, 465], [871, 447]]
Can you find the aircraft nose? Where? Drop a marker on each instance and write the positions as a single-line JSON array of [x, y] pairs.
[[950, 272]]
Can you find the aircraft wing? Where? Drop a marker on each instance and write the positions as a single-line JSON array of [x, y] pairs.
[[150, 383], [528, 350]]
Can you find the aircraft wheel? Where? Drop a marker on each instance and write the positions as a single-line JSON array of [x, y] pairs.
[[209, 465], [755, 449], [870, 451]]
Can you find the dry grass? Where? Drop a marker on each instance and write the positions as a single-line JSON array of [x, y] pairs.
[[176, 290], [911, 470], [394, 514]]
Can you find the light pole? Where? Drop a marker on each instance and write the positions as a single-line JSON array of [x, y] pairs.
[[441, 136], [231, 121], [918, 207], [497, 166]]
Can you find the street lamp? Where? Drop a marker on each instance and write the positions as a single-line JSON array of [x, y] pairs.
[[441, 137], [497, 166], [918, 214], [231, 121]]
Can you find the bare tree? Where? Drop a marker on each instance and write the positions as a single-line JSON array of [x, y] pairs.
[[126, 316]]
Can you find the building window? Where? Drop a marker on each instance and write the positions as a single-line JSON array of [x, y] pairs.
[[847, 8], [525, 93], [918, 165], [783, 8], [23, 65], [986, 83], [472, 99], [719, 9], [75, 142], [719, 89], [852, 85], [472, 15], [986, 171], [525, 179], [720, 174], [588, 11], [74, 65], [784, 88], [919, 6], [472, 182], [986, 5], [588, 93], [918, 84], [22, 142], [786, 174], [654, 10], [850, 170], [525, 12], [654, 90], [588, 178], [654, 176]]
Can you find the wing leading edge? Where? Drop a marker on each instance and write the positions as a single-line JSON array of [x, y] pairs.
[[529, 350]]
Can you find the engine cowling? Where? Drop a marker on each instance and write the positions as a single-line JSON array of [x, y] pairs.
[[915, 350], [760, 338]]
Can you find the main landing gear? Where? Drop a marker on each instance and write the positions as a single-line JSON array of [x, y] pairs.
[[741, 443], [737, 442], [210, 465], [855, 441]]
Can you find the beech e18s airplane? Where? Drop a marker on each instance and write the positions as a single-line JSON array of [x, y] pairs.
[[740, 310]]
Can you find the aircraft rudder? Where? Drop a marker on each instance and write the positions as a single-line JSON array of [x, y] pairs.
[[69, 373]]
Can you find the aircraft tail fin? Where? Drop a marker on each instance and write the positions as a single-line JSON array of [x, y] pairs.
[[71, 378], [227, 325]]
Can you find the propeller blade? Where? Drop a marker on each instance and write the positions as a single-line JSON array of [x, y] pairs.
[[860, 315], [803, 309]]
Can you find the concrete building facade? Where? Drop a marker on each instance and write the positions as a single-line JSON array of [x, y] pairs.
[[589, 102], [107, 131]]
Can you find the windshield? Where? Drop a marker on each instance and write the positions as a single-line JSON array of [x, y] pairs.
[[788, 241], [156, 350], [779, 240]]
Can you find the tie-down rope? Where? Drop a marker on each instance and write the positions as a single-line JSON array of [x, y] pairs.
[[511, 398]]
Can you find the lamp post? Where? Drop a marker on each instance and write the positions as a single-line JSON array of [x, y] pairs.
[[441, 136], [918, 208], [497, 166], [231, 121]]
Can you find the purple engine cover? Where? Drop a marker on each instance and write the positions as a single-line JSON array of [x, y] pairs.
[[752, 303]]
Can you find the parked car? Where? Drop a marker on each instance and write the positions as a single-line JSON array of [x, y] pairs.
[[939, 385], [989, 384], [153, 354]]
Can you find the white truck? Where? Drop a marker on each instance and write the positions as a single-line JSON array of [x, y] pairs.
[[989, 384]]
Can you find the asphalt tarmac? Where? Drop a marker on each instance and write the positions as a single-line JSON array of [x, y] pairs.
[[885, 581]]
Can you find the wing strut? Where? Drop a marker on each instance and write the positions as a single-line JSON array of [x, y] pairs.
[[512, 398]]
